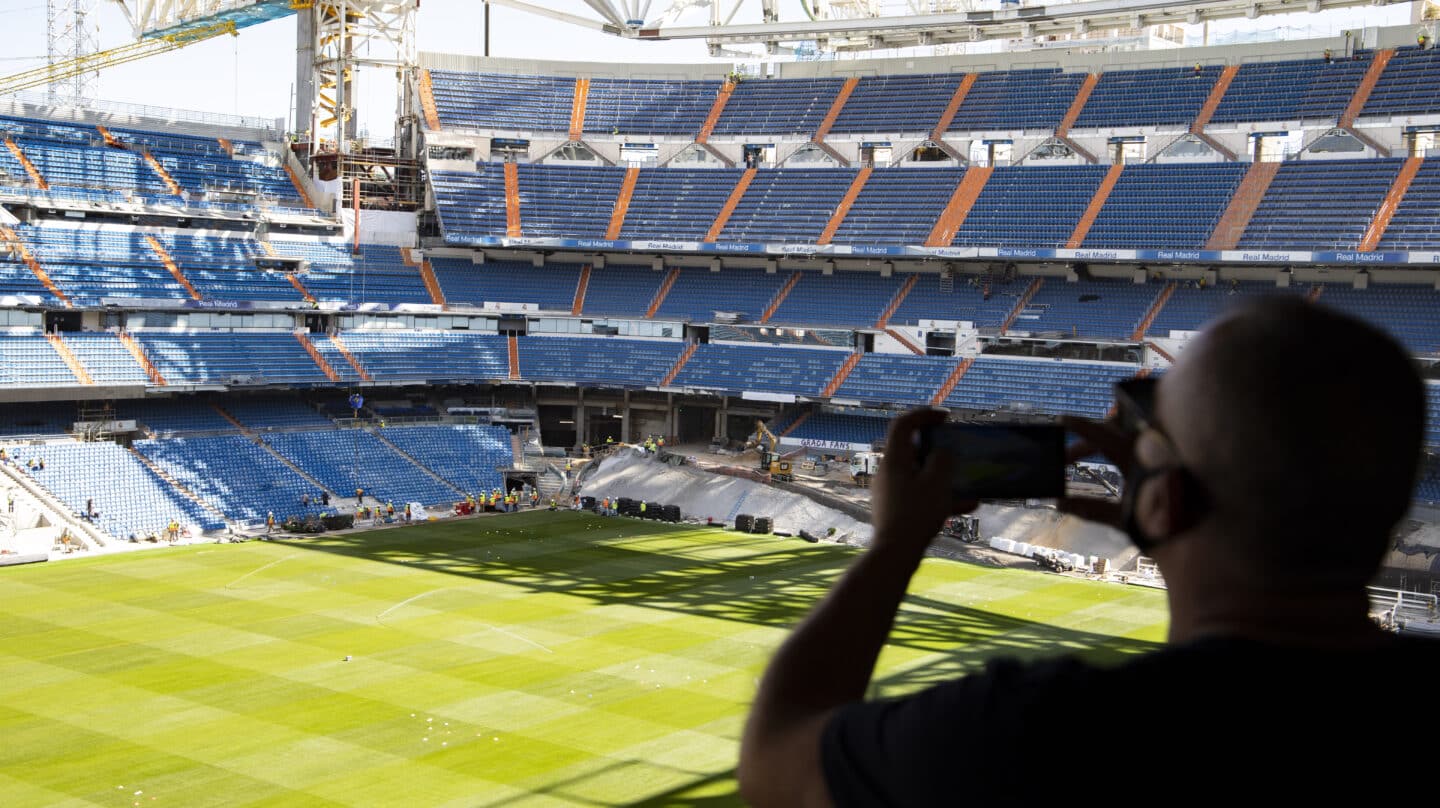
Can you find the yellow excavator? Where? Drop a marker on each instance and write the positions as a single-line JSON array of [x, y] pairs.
[[770, 461]]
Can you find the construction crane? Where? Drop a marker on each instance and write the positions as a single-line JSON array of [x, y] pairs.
[[134, 51]]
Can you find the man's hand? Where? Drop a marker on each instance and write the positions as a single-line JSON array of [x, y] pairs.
[[1115, 445], [910, 503]]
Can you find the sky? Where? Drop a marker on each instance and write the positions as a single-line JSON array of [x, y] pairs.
[[253, 74]]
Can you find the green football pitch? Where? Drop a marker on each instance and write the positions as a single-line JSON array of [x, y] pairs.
[[527, 660]]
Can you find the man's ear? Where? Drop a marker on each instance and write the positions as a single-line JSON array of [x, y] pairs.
[[1164, 508]]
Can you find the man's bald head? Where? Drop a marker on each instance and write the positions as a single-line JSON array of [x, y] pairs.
[[1304, 425]]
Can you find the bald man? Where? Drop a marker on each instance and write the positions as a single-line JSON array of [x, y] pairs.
[[1264, 474]]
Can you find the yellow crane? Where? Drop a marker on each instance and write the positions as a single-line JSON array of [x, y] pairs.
[[134, 51]]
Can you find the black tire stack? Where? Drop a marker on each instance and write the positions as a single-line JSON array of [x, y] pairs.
[[588, 503], [763, 524], [748, 523], [628, 507], [670, 513]]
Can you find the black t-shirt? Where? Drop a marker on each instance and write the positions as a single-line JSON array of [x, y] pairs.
[[1218, 719]]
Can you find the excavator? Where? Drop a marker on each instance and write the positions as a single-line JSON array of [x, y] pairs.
[[770, 460]]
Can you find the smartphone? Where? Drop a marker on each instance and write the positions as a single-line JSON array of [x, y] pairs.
[[999, 461]]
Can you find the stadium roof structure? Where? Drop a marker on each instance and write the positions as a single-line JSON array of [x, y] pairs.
[[878, 24]]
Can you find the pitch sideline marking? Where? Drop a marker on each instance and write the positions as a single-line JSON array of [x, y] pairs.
[[260, 569], [513, 635]]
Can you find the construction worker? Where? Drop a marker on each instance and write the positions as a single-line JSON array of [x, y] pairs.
[[359, 496], [609, 440], [270, 522], [389, 511], [605, 505], [552, 503], [535, 498], [660, 443], [643, 506]]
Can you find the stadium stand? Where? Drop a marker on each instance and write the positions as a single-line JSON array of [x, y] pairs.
[[899, 103], [105, 358], [55, 418], [1414, 225], [787, 205], [466, 455], [234, 474], [429, 355], [621, 291], [470, 206], [648, 106], [677, 203], [379, 274], [334, 457], [834, 427], [130, 498], [1046, 386], [574, 201], [598, 362], [275, 412], [1294, 90], [697, 294], [737, 368], [30, 361], [501, 101], [1175, 206], [898, 206], [218, 358], [173, 416], [1410, 313], [968, 298], [1406, 86], [551, 287], [1017, 99], [1037, 207], [845, 298], [1321, 204], [889, 378], [777, 106], [1155, 97], [1432, 404], [1100, 309]]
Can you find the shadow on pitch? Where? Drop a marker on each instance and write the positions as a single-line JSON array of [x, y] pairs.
[[586, 556]]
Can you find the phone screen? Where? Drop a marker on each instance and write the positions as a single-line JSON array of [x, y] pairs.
[[1000, 461]]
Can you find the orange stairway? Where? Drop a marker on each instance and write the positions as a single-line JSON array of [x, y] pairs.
[[1022, 303], [679, 364], [1087, 220], [953, 379], [724, 215], [164, 256], [943, 126], [659, 298], [170, 183], [71, 360], [961, 201], [432, 283], [1315, 291], [299, 287], [427, 101], [299, 187], [108, 138], [794, 424], [904, 340], [1081, 96], [780, 297], [841, 210], [9, 236], [1169, 357], [1378, 60], [578, 305], [835, 106], [1149, 318], [138, 351], [840, 375], [721, 99], [1243, 204], [514, 348], [1212, 102], [349, 357], [577, 108], [895, 302], [1376, 230], [512, 200], [29, 167], [315, 354], [226, 145], [622, 203]]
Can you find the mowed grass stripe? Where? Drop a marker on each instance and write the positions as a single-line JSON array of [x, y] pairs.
[[531, 659]]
